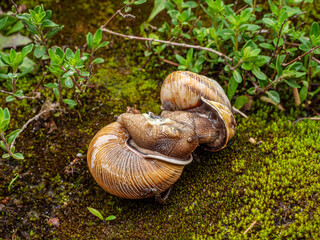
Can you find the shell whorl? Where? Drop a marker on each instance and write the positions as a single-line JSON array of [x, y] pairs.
[[124, 173], [182, 90]]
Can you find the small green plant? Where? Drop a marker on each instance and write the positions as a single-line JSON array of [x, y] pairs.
[[70, 70], [7, 141], [257, 51], [12, 181], [99, 215]]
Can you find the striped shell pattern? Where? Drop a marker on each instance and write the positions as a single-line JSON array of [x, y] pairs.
[[126, 169]]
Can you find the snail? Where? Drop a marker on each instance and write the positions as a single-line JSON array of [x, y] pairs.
[[143, 155], [191, 92], [145, 162]]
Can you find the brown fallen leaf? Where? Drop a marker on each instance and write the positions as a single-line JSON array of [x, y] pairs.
[[54, 222]]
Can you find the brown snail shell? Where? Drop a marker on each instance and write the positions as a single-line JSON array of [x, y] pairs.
[[159, 134], [123, 172], [183, 90]]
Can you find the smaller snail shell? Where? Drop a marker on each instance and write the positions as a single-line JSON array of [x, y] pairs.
[[162, 135], [121, 171], [182, 90]]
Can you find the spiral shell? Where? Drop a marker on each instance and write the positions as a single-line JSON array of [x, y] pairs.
[[182, 90], [123, 172]]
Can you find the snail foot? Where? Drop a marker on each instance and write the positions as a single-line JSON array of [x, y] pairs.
[[154, 192]]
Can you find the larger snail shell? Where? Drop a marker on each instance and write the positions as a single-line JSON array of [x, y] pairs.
[[123, 172], [183, 90]]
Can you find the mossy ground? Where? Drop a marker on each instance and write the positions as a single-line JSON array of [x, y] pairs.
[[275, 184]]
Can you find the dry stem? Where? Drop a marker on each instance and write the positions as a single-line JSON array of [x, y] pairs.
[[168, 43]]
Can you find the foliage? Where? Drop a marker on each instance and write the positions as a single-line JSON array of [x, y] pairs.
[[6, 142], [70, 70], [266, 48], [99, 215]]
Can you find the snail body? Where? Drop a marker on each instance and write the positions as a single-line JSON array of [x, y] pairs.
[[168, 137]]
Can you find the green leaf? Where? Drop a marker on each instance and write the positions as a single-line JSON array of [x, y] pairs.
[[111, 217], [26, 50], [69, 53], [245, 15], [49, 24], [70, 102], [267, 46], [89, 40], [15, 28], [105, 43], [304, 91], [54, 31], [240, 101], [98, 36], [12, 136], [232, 87], [292, 83], [284, 16], [10, 98], [237, 76], [159, 6], [273, 8], [257, 72], [95, 212], [51, 85], [138, 2], [251, 91], [18, 156], [6, 155], [1, 115], [6, 119], [269, 22], [181, 59], [39, 51], [98, 60], [3, 22], [314, 31], [274, 96], [68, 82]]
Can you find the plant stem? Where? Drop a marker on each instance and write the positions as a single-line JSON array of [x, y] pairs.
[[168, 43], [296, 96], [29, 121], [6, 143], [299, 57]]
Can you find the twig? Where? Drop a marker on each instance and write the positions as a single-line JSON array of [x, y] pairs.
[[193, 25], [296, 96], [242, 8], [305, 118], [276, 50], [299, 57], [168, 43], [316, 60], [37, 95], [29, 121], [239, 112], [6, 143], [249, 228], [170, 62], [39, 83], [16, 7]]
